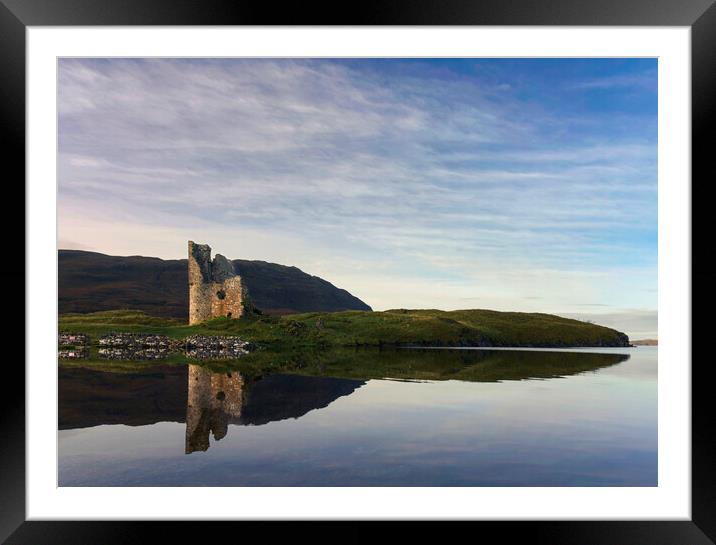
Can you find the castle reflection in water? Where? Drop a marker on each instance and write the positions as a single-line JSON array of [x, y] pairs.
[[214, 399], [207, 401]]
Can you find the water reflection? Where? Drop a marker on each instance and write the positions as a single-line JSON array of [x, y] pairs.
[[445, 418], [132, 354], [143, 346], [209, 400], [439, 364], [73, 353], [213, 399]]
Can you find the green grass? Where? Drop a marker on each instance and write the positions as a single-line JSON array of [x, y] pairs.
[[364, 328]]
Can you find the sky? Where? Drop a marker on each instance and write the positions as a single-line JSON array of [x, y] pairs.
[[508, 184]]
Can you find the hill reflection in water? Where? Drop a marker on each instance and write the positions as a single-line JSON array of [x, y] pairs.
[[272, 387], [446, 417]]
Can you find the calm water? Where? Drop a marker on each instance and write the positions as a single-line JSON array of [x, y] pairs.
[[367, 418]]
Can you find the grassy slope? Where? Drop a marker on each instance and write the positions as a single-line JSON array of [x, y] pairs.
[[351, 328]]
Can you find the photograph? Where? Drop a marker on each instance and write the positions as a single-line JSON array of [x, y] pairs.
[[409, 262], [357, 271]]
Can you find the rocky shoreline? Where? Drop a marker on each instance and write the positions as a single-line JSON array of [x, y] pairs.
[[143, 346]]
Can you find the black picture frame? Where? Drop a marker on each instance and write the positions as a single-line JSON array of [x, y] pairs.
[[699, 15]]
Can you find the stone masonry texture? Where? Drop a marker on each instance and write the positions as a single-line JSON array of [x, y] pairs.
[[214, 287]]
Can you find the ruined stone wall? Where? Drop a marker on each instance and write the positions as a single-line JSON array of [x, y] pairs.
[[228, 298], [214, 287]]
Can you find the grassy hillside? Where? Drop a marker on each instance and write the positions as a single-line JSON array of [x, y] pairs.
[[90, 281], [356, 328]]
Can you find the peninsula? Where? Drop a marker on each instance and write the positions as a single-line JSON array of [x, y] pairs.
[[220, 303], [398, 327]]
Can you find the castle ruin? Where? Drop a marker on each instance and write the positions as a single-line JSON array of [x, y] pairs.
[[214, 287]]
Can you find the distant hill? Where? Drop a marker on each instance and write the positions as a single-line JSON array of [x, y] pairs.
[[646, 342], [91, 282]]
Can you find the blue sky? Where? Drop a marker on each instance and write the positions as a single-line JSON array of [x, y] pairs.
[[513, 184]]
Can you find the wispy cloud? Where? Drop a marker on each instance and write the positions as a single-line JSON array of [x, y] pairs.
[[645, 80], [409, 174]]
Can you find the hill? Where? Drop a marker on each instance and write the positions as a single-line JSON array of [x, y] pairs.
[[91, 281]]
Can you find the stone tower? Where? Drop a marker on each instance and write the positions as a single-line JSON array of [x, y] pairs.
[[214, 287]]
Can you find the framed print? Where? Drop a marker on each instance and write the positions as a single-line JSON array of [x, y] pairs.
[[411, 266]]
